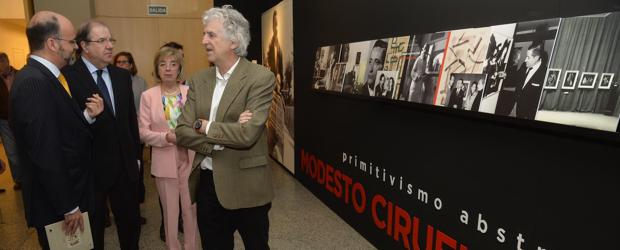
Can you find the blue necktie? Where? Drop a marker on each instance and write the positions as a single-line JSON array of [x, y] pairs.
[[104, 90]]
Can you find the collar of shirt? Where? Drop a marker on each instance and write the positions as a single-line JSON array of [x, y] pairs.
[[50, 66], [91, 67], [227, 74]]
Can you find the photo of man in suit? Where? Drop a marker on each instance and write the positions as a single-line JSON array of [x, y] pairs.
[[116, 140], [52, 132], [231, 177], [529, 88]]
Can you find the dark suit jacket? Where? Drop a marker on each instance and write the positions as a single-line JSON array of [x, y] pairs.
[[528, 93], [241, 172], [116, 140], [54, 143]]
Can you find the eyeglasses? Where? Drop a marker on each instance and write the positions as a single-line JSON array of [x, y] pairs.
[[122, 62], [72, 42], [103, 40]]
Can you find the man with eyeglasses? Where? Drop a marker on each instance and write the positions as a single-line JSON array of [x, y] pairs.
[[116, 141], [52, 131]]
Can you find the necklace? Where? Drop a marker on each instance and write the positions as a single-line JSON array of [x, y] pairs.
[[174, 92]]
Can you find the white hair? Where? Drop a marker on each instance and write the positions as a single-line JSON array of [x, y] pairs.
[[236, 27]]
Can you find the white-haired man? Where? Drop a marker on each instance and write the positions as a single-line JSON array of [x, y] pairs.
[[231, 178]]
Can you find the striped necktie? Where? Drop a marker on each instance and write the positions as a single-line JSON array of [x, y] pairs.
[[64, 84]]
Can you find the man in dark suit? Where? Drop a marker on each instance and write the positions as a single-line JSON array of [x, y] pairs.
[[116, 140], [529, 88], [51, 131], [231, 177]]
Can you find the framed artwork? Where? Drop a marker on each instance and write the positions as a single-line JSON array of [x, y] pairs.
[[587, 80], [552, 78], [570, 77], [606, 80]]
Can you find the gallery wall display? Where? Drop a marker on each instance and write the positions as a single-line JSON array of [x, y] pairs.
[[277, 28], [558, 70]]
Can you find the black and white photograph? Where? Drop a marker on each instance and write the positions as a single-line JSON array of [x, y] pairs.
[[498, 53], [588, 79], [552, 78], [325, 60], [356, 63], [385, 84], [466, 53], [570, 78], [585, 50], [606, 80], [396, 58], [421, 72], [522, 85], [466, 91], [376, 58]]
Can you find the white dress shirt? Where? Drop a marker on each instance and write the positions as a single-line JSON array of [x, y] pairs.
[[220, 84], [531, 73], [106, 78]]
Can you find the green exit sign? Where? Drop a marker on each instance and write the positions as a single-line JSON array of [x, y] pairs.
[[157, 10]]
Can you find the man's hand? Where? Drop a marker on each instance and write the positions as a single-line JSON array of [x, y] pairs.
[[171, 137], [73, 222], [94, 105], [245, 116]]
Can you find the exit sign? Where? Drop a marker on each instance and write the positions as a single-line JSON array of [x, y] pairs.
[[157, 10]]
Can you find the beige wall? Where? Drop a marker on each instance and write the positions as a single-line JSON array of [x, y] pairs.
[[77, 11], [139, 33], [12, 9], [14, 42], [142, 35]]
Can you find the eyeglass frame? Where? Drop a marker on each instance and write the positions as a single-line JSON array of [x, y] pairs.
[[102, 41]]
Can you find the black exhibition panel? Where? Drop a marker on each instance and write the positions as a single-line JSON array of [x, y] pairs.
[[417, 176]]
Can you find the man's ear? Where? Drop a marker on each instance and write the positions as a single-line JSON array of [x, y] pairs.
[[82, 45], [51, 44], [234, 45]]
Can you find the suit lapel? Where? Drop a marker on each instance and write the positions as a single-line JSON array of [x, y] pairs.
[[208, 94], [57, 85], [232, 89], [158, 107], [116, 89]]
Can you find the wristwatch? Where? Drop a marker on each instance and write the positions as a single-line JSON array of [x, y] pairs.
[[197, 125]]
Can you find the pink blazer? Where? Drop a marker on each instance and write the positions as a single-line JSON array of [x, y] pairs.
[[167, 159]]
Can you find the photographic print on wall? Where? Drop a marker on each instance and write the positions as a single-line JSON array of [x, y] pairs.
[[570, 78], [552, 78], [395, 59], [496, 63], [606, 80], [587, 80], [526, 70], [422, 67], [277, 51], [581, 102]]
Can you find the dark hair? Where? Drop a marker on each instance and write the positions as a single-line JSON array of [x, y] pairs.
[[4, 56], [83, 32], [134, 68], [537, 49], [40, 31], [173, 45], [381, 44]]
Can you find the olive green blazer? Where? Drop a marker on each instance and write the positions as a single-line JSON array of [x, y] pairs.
[[241, 172]]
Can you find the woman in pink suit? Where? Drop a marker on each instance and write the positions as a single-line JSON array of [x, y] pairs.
[[160, 107]]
